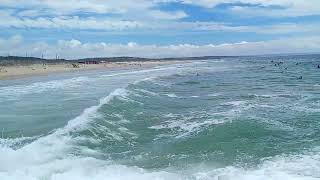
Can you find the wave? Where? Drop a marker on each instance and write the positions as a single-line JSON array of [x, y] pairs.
[[55, 156], [146, 92], [60, 144], [39, 87], [14, 92], [16, 142], [294, 167], [182, 126], [235, 103], [63, 153], [80, 122], [58, 154], [171, 95], [88, 114]]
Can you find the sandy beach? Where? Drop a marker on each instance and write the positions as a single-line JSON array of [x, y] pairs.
[[14, 72]]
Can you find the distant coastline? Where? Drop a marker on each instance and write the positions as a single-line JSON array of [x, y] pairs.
[[12, 67], [15, 67], [21, 67], [24, 61]]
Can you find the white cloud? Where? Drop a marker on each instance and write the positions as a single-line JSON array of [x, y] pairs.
[[77, 49], [71, 6], [140, 8], [168, 15], [282, 28], [140, 15], [128, 9], [66, 22], [287, 7], [271, 12], [7, 20], [143, 14]]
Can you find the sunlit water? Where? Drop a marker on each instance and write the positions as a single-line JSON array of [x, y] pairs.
[[223, 119]]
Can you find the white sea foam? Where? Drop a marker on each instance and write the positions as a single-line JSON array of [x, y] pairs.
[[301, 167], [164, 69], [53, 157], [7, 142], [90, 113], [265, 95], [17, 166], [235, 103], [147, 92], [185, 126], [172, 95], [83, 169], [54, 145], [38, 87], [47, 153], [237, 108], [214, 94], [16, 91], [303, 108]]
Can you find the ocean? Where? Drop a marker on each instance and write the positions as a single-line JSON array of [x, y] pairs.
[[232, 118]]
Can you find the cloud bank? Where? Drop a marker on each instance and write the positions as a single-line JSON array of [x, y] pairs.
[[286, 7], [289, 8], [8, 20], [269, 26], [76, 49]]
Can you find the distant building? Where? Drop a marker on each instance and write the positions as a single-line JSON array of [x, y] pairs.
[[89, 62]]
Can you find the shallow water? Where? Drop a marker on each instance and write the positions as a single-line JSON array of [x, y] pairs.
[[229, 118]]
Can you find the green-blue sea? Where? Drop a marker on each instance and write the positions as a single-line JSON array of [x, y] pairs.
[[228, 118]]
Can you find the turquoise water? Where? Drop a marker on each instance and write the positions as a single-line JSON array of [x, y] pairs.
[[230, 118]]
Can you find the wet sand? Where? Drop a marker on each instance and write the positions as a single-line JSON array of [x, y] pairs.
[[15, 72]]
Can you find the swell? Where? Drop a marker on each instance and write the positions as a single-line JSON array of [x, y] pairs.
[[54, 152], [70, 151], [62, 143], [11, 94]]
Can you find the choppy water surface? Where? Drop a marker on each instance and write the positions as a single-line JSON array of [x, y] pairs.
[[229, 118]]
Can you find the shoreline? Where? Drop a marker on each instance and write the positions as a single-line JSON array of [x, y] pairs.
[[18, 71]]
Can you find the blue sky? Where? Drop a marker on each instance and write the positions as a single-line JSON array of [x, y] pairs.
[[165, 27]]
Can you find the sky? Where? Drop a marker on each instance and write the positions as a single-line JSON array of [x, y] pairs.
[[158, 28]]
